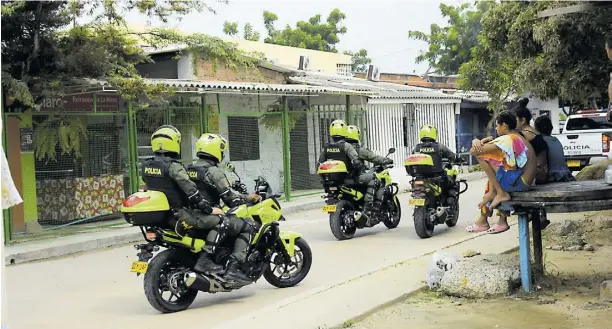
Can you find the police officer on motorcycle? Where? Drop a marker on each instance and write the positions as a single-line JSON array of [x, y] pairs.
[[374, 193], [338, 149], [429, 145], [214, 185], [163, 172]]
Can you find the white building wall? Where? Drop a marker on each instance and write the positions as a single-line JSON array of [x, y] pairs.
[[386, 130], [539, 106], [270, 163]]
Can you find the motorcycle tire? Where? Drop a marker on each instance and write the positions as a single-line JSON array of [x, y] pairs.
[[336, 222], [392, 223], [423, 227], [152, 283], [306, 264]]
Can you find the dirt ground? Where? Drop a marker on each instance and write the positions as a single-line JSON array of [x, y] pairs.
[[567, 296]]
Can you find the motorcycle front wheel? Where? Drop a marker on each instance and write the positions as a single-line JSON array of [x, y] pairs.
[[394, 214], [338, 225], [423, 226], [286, 275], [164, 284]]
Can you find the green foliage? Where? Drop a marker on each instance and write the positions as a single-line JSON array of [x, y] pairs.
[[231, 29], [450, 46], [249, 34], [273, 120], [47, 52], [66, 131], [314, 34], [360, 60], [562, 56]]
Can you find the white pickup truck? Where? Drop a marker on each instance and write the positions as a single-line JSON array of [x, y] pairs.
[[586, 139]]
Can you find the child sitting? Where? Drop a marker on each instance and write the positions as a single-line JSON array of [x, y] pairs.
[[557, 167], [509, 162]]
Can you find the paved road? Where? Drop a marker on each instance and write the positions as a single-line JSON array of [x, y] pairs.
[[96, 290]]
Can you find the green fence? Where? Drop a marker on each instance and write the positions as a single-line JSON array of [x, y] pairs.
[[278, 137]]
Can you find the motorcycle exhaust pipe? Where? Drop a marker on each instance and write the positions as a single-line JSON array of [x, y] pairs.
[[197, 281]]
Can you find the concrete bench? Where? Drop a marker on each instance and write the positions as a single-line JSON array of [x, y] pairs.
[[577, 196]]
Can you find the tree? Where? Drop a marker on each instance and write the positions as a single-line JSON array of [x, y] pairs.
[[231, 29], [46, 52], [557, 57], [450, 46], [249, 34], [313, 34], [360, 60]]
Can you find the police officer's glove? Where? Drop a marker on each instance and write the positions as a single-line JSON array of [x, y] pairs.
[[388, 161], [200, 203]]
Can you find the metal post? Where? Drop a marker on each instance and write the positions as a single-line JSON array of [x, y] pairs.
[[203, 115], [7, 214], [525, 253], [348, 109], [286, 150], [95, 103], [537, 243], [132, 148]]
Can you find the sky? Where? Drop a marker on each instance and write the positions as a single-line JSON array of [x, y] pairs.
[[380, 26]]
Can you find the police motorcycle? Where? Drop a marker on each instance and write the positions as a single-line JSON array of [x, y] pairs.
[[345, 200], [433, 204], [283, 258]]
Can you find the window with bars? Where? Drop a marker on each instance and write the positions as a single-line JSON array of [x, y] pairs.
[[243, 138]]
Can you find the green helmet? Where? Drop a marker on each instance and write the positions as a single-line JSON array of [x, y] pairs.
[[428, 132], [338, 128], [166, 139], [211, 145], [353, 134]]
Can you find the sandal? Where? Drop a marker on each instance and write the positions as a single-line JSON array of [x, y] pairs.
[[477, 228], [496, 229]]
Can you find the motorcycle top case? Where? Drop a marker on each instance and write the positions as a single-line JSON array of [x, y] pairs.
[[333, 170], [150, 208], [419, 165]]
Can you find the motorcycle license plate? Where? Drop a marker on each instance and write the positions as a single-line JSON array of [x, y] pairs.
[[139, 267], [329, 208], [573, 163], [416, 202]]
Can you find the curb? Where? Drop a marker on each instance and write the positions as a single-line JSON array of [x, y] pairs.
[[110, 241], [130, 237]]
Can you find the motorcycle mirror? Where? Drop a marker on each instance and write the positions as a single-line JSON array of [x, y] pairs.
[[230, 167], [392, 150]]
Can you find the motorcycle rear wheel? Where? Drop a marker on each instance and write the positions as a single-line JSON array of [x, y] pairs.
[[156, 280], [337, 224], [302, 260], [424, 228]]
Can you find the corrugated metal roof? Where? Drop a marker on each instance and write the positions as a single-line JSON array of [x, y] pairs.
[[255, 87], [381, 89], [472, 96]]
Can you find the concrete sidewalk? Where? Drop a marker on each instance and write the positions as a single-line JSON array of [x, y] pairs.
[[67, 245]]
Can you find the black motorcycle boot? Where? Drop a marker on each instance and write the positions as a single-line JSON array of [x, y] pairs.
[[234, 272], [205, 264]]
